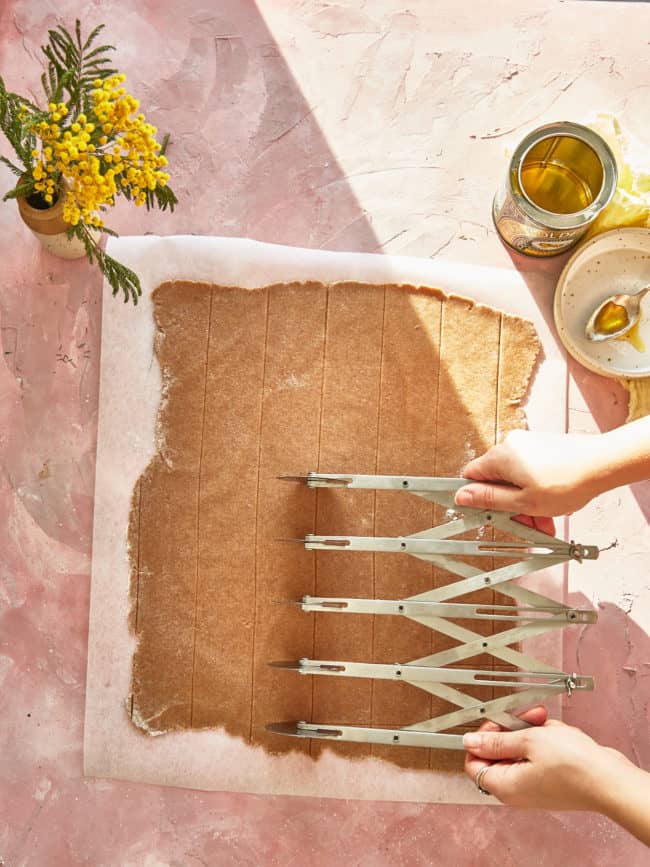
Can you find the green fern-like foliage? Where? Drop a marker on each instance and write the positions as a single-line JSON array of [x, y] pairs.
[[16, 130], [73, 66], [120, 278]]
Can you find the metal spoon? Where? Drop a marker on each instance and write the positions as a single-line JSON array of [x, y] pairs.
[[631, 305]]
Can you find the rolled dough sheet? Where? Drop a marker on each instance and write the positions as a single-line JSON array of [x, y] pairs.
[[284, 379]]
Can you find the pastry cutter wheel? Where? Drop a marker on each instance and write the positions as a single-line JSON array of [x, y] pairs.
[[532, 614]]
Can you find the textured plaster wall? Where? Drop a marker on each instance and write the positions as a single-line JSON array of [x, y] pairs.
[[355, 125]]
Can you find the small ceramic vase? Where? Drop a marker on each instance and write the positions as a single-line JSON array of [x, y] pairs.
[[50, 228]]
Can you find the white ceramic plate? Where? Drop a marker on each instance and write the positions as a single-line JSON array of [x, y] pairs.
[[616, 261]]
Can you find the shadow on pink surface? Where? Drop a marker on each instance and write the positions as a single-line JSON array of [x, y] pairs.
[[608, 406], [616, 652]]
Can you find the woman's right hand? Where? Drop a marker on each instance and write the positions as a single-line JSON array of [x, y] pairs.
[[535, 474], [556, 474]]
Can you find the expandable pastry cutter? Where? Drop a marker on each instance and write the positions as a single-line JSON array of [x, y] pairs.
[[532, 614]]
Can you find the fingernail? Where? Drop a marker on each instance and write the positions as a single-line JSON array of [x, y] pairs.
[[472, 741], [464, 497]]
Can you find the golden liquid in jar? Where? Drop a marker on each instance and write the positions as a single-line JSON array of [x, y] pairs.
[[555, 188], [562, 175]]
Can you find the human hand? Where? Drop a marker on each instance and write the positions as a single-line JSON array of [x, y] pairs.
[[535, 474], [549, 766]]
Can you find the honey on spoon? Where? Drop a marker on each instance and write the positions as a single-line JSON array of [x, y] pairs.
[[618, 317]]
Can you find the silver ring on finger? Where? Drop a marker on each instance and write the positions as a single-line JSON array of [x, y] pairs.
[[478, 779]]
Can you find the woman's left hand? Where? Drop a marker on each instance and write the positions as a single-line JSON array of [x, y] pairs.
[[549, 766]]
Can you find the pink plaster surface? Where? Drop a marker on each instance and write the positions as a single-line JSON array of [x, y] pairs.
[[354, 126]]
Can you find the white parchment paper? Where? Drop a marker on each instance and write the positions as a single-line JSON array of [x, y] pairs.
[[128, 404]]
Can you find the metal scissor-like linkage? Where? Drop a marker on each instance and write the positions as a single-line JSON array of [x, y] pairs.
[[414, 607], [533, 615]]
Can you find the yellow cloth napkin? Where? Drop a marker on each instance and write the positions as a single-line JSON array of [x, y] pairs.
[[630, 206]]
